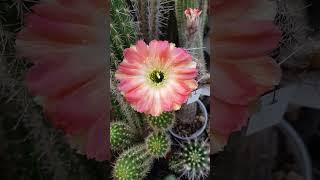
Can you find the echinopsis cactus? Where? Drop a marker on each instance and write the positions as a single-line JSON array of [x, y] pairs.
[[121, 136], [158, 144], [122, 29], [191, 18], [161, 122], [193, 160], [152, 17], [133, 164]]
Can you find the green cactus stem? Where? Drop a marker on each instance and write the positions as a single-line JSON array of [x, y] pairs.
[[158, 144], [121, 136], [193, 160], [162, 122], [122, 30], [132, 164]]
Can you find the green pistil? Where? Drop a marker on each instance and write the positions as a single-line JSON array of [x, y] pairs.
[[157, 76]]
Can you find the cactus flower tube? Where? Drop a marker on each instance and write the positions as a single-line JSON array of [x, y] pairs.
[[243, 36], [192, 21], [66, 42], [156, 78]]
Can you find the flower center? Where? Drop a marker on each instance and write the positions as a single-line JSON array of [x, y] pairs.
[[156, 76]]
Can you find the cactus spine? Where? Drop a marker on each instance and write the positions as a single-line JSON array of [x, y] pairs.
[[132, 164], [122, 30], [193, 161], [152, 16], [158, 144], [121, 136], [161, 122]]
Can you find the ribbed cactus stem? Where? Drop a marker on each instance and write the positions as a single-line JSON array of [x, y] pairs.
[[122, 29], [152, 17], [162, 122], [121, 137], [132, 164]]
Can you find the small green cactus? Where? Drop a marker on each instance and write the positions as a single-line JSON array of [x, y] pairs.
[[158, 144], [161, 122], [120, 136], [193, 161], [132, 164]]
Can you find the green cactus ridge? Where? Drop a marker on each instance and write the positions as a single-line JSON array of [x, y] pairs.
[[121, 137], [132, 164], [161, 122], [158, 144], [193, 160], [122, 29]]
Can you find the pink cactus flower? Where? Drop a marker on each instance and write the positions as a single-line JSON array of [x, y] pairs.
[[66, 42], [243, 71], [156, 78]]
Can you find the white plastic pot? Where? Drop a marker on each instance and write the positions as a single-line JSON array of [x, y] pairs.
[[198, 132]]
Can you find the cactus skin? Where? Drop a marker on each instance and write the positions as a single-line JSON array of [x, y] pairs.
[[132, 164], [121, 137], [162, 122], [122, 30], [193, 161], [158, 144]]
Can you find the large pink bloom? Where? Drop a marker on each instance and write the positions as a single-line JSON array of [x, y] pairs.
[[243, 71], [156, 78], [66, 42]]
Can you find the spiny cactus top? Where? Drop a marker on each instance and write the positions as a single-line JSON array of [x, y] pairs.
[[66, 40], [156, 78], [243, 68], [158, 144], [132, 164], [161, 122], [193, 161]]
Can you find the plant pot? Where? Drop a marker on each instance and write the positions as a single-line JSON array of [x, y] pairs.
[[199, 131], [298, 149]]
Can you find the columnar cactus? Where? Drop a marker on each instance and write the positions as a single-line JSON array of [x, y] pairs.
[[121, 137], [162, 122], [191, 17], [152, 17], [158, 144], [122, 29], [132, 164], [193, 161]]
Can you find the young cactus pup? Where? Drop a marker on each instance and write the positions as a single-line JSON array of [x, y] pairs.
[[121, 137], [193, 161], [132, 164], [158, 144], [162, 122]]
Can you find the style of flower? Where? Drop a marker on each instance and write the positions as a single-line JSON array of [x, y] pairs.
[[243, 71], [192, 15], [156, 78], [66, 42]]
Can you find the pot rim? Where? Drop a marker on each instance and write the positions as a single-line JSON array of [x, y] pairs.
[[198, 132]]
